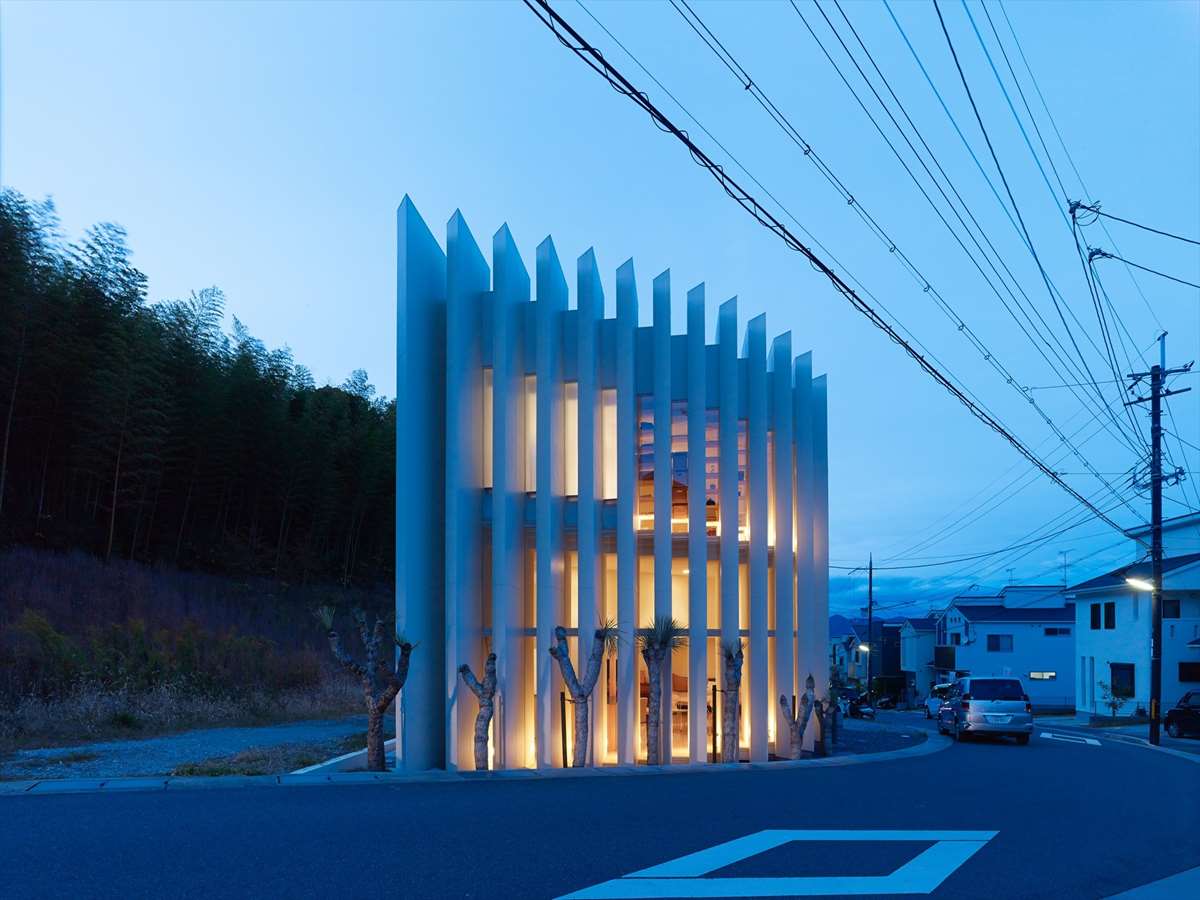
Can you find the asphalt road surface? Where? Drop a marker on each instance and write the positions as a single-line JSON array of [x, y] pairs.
[[1069, 819]]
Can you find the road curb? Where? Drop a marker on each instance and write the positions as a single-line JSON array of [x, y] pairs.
[[1130, 740], [932, 744]]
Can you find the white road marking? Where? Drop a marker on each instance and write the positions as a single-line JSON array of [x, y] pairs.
[[1071, 739], [683, 877]]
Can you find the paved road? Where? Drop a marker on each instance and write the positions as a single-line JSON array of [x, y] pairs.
[[1070, 820]]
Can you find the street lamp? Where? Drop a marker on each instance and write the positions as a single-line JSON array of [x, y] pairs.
[[1141, 584], [864, 648]]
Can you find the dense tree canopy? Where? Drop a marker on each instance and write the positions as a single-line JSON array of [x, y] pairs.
[[144, 430]]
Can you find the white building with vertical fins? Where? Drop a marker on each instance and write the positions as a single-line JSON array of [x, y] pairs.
[[559, 467]]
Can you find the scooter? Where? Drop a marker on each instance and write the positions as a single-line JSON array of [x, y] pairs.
[[860, 708]]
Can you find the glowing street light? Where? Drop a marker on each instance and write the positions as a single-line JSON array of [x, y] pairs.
[[864, 648], [1140, 584]]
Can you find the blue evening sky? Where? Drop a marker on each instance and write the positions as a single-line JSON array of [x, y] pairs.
[[264, 148]]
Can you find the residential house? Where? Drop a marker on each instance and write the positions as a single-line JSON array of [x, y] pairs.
[[1023, 630], [626, 471], [1113, 624], [917, 638]]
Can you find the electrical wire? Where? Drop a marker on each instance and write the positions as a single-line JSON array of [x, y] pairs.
[[1007, 188], [596, 61], [1106, 255], [1061, 355], [1070, 159], [1098, 211]]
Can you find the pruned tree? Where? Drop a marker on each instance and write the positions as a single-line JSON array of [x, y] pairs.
[[486, 694], [837, 687], [797, 723], [657, 641], [822, 710], [733, 656], [604, 639], [381, 679]]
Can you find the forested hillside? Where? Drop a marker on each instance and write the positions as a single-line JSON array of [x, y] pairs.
[[144, 431]]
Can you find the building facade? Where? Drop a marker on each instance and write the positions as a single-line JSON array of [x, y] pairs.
[[560, 467], [916, 657], [1026, 631], [1113, 624]]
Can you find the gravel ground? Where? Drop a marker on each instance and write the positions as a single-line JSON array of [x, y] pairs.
[[160, 755], [872, 737]]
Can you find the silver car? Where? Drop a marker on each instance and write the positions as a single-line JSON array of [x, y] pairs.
[[986, 706]]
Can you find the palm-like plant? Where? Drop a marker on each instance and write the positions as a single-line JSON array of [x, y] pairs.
[[733, 655], [657, 641], [381, 680], [604, 639]]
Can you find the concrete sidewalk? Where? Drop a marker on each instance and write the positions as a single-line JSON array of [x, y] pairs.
[[114, 785]]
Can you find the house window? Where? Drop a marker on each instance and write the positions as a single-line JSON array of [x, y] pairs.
[[1043, 676], [1189, 671], [1057, 632], [571, 438], [856, 656], [955, 640], [1110, 615], [488, 426], [999, 643], [608, 444], [1095, 616], [530, 433], [1170, 607], [1121, 679]]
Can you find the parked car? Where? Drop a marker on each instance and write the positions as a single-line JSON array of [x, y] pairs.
[[1184, 717], [937, 696], [986, 706]]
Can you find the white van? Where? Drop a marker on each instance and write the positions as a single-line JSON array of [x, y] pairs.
[[934, 701]]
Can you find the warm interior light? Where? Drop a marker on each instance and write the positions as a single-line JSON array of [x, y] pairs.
[[1140, 583]]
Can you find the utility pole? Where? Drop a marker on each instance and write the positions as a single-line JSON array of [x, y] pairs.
[[870, 621], [1157, 376]]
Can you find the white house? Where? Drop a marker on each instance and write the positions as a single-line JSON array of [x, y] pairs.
[[560, 467], [1025, 631], [917, 640], [1112, 646]]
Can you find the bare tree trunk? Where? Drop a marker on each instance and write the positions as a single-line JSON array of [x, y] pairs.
[[730, 720], [381, 683], [187, 504], [8, 420], [581, 692], [654, 659], [112, 514], [795, 731], [376, 761], [41, 504], [486, 693], [820, 743]]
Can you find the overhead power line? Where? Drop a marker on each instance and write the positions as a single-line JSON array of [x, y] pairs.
[[1033, 333], [1007, 188], [595, 60], [1070, 159], [755, 91], [1098, 211], [1104, 254]]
